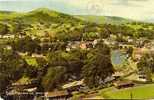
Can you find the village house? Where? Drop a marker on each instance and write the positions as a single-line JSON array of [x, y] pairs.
[[112, 36], [112, 78], [117, 75], [123, 84], [38, 55], [125, 46], [80, 44], [20, 85], [68, 49], [22, 54], [110, 42], [74, 86], [95, 42], [19, 96], [83, 45], [149, 45], [22, 89], [30, 90], [108, 80], [8, 47], [142, 76], [139, 52], [130, 40], [8, 36], [1, 36]]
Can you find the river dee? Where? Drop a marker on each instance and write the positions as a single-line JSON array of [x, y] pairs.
[[117, 57]]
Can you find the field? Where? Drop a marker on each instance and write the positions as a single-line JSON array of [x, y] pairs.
[[31, 61], [140, 92]]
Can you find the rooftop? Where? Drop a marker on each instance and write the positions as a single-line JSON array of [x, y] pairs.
[[73, 84]]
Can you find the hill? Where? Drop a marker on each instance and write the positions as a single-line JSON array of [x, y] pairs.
[[104, 19], [44, 23], [38, 15], [46, 15], [7, 15], [40, 21]]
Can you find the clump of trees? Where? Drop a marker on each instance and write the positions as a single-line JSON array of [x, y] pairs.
[[97, 65], [61, 67], [146, 66], [54, 77], [6, 28], [26, 44], [11, 67]]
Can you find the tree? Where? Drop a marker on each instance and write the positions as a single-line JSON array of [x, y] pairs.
[[73, 60], [129, 51], [90, 36], [5, 28], [146, 65], [4, 82], [53, 78], [11, 67], [97, 65], [26, 44]]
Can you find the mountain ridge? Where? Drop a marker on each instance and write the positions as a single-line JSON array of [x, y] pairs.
[[49, 15], [45, 12], [104, 19]]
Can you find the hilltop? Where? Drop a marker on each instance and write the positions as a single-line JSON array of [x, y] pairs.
[[41, 14]]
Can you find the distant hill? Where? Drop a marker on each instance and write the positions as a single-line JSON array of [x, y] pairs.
[[42, 21], [47, 15], [6, 15], [39, 15], [104, 19]]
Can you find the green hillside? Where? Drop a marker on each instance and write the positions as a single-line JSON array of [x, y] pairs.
[[46, 15], [40, 22], [7, 15], [104, 19]]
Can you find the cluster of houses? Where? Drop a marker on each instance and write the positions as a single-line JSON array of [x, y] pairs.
[[28, 91], [7, 36], [80, 44]]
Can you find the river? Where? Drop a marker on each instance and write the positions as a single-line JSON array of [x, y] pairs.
[[118, 57]]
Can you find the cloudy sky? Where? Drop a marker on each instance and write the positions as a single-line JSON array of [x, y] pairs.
[[134, 9]]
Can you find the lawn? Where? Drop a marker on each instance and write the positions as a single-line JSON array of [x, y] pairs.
[[31, 61], [140, 92]]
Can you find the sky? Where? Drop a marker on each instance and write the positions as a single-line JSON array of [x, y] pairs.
[[133, 9]]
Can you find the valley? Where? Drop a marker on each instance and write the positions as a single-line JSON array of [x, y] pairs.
[[49, 54]]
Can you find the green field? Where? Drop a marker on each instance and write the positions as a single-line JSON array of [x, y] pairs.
[[140, 92], [31, 61]]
